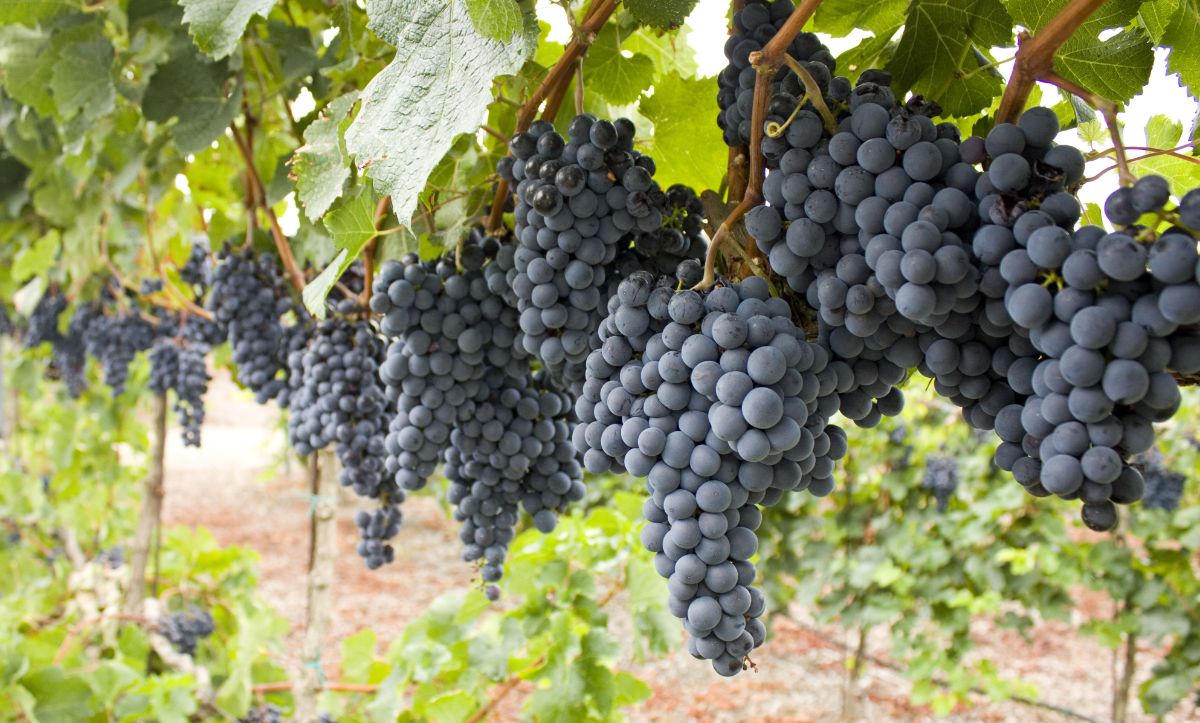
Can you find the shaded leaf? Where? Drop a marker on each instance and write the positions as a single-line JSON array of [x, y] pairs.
[[438, 86], [935, 58], [216, 26], [197, 92], [82, 78], [33, 12]]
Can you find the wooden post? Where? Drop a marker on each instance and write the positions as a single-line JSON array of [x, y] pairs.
[[151, 515], [323, 475]]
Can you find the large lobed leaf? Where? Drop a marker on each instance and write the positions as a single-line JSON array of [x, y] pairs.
[[217, 25], [438, 86], [1115, 68]]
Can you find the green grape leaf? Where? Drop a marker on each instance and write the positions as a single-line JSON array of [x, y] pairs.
[[322, 164], [660, 13], [669, 52], [937, 56], [1183, 37], [34, 12], [872, 52], [495, 19], [82, 79], [1162, 132], [438, 85], [683, 111], [1155, 16], [216, 26], [1116, 68], [38, 258], [352, 226], [1034, 14], [59, 697], [199, 93], [842, 17], [1092, 132], [616, 78], [26, 76], [1181, 174]]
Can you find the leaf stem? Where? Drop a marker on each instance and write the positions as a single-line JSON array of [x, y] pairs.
[[812, 93], [381, 212]]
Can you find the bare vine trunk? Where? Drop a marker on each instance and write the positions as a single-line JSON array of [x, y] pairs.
[[1120, 707], [151, 515], [322, 470], [853, 673]]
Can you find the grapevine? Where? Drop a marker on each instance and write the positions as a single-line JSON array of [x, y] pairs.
[[445, 283]]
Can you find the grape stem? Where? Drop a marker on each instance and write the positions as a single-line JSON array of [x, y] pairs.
[[766, 62], [772, 54], [812, 93], [1035, 56], [286, 257], [554, 84], [1152, 152], [381, 212], [1107, 108]]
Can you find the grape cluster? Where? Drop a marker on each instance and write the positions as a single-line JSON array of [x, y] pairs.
[[70, 350], [198, 267], [678, 247], [448, 329], [718, 400], [115, 339], [581, 201], [43, 320], [249, 299], [268, 713], [1164, 486], [180, 368], [1109, 315], [375, 528], [184, 629], [336, 396], [513, 452], [753, 27], [941, 479]]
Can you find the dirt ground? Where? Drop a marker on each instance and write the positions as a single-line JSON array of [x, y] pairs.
[[237, 487]]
